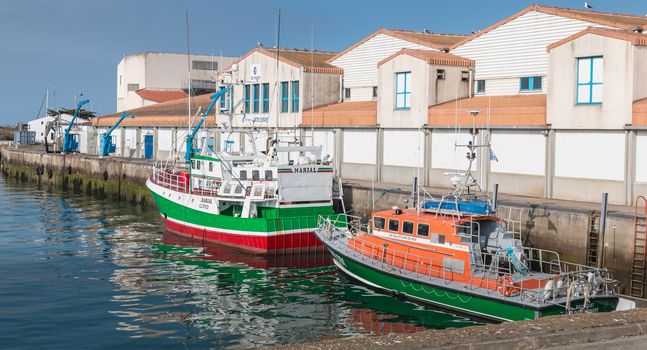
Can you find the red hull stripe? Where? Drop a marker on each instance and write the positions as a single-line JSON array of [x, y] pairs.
[[261, 244]]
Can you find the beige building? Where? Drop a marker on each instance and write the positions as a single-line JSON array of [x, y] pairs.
[[147, 78]]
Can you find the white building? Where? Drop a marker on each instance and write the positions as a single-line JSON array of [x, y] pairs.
[[146, 78], [38, 125]]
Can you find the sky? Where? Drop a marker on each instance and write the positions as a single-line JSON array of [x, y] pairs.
[[72, 46]]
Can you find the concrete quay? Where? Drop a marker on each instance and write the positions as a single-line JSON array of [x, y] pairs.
[[599, 331]]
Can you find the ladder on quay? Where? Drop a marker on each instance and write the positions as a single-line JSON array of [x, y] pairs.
[[593, 239], [637, 285]]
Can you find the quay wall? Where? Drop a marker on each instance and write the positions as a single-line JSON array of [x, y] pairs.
[[548, 224]]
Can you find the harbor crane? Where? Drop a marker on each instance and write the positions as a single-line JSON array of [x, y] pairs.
[[69, 142], [107, 146], [189, 139]]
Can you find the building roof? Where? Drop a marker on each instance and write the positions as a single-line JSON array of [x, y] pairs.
[[161, 95], [352, 113], [614, 20], [436, 41], [514, 110], [169, 114], [637, 39], [311, 61], [639, 115], [432, 57]]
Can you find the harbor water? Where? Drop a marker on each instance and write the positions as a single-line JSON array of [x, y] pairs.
[[81, 272]]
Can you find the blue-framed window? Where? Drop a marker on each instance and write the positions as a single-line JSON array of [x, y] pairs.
[[295, 96], [403, 90], [285, 96], [223, 99], [266, 98], [530, 84], [590, 73], [257, 98], [246, 97], [480, 86]]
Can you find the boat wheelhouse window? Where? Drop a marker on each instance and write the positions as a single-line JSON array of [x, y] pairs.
[[394, 225], [193, 164], [198, 165], [210, 166], [239, 189], [407, 227], [243, 175], [256, 175], [423, 230], [437, 238], [268, 174], [227, 188], [379, 223]]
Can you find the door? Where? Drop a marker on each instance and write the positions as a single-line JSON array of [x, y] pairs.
[[148, 146]]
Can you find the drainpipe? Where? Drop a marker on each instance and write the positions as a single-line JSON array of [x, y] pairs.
[[341, 88]]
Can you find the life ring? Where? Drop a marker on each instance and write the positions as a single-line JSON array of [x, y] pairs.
[[506, 287]]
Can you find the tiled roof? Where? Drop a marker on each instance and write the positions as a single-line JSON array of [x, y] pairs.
[[161, 95], [353, 113], [637, 39], [432, 40], [432, 57], [311, 61], [515, 110], [170, 113], [639, 117], [614, 20]]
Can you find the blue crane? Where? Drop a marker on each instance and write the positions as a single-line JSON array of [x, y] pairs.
[[189, 139], [69, 143], [107, 146]]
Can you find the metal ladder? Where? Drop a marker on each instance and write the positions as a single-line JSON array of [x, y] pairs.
[[592, 239], [338, 192], [637, 286]]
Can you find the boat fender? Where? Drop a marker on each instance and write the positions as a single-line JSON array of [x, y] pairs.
[[506, 287], [548, 290]]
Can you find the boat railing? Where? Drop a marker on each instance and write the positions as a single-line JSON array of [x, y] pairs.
[[496, 273], [171, 177], [514, 219]]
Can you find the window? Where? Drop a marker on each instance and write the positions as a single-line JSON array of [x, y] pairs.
[[465, 75], [423, 230], [394, 225], [227, 188], [403, 90], [480, 86], [590, 71], [223, 99], [268, 174], [243, 175], [379, 223], [284, 96], [257, 98], [295, 96], [374, 91], [239, 189], [407, 227], [198, 165], [193, 164], [266, 98], [440, 74], [256, 175], [246, 93], [210, 166], [347, 93], [133, 87], [530, 84], [437, 238], [204, 65]]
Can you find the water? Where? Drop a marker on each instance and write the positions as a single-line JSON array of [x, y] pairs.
[[79, 272]]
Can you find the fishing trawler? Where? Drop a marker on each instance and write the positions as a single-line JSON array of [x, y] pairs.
[[261, 202], [457, 253]]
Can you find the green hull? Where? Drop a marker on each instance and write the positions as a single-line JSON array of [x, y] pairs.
[[490, 308]]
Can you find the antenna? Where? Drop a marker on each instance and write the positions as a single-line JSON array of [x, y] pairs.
[[188, 62]]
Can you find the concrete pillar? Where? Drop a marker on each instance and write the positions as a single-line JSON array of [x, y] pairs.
[[122, 142], [379, 155], [217, 139], [138, 143], [426, 161], [339, 151], [630, 165], [549, 167], [155, 141]]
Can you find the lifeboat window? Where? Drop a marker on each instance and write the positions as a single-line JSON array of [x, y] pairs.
[[379, 223], [423, 230], [210, 166], [268, 174], [256, 175], [198, 165], [243, 174], [407, 227], [394, 225], [437, 238]]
